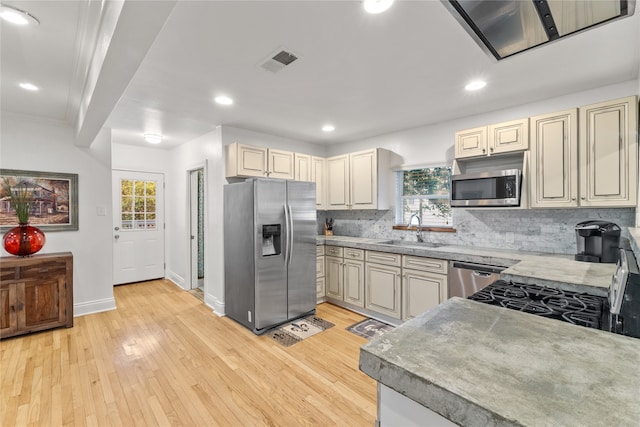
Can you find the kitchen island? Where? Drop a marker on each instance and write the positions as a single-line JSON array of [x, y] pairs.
[[479, 365]]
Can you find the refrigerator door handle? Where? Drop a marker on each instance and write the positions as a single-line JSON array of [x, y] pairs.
[[290, 233]]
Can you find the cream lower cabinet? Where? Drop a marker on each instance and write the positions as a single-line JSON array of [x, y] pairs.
[[354, 276], [334, 272], [383, 284], [424, 284], [320, 273]]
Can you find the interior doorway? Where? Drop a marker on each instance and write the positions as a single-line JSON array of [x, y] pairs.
[[196, 208]]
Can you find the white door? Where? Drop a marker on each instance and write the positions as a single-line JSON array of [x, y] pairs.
[[138, 226]]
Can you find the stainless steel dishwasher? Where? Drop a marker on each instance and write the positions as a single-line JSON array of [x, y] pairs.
[[465, 279]]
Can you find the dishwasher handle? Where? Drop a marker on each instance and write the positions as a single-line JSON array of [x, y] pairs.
[[479, 268]]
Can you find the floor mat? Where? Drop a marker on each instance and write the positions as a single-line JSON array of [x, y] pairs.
[[298, 330], [370, 328]]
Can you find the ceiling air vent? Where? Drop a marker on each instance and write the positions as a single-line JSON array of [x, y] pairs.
[[278, 60]]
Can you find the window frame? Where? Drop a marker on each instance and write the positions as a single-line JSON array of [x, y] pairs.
[[400, 198]]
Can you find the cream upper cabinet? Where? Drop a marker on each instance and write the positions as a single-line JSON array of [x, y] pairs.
[[248, 161], [608, 153], [245, 160], [553, 181], [499, 138], [363, 178], [319, 176], [302, 167], [338, 182], [280, 164], [471, 142], [593, 163], [508, 137], [357, 181]]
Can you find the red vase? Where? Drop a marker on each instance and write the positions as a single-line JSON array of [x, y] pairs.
[[24, 240]]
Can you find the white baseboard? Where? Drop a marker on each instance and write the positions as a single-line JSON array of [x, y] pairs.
[[215, 304], [177, 279], [96, 306]]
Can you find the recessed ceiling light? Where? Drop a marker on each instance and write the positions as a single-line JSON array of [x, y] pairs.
[[17, 16], [152, 138], [223, 100], [377, 6], [475, 85], [328, 128], [28, 86]]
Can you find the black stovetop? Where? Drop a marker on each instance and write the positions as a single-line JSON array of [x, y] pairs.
[[567, 306]]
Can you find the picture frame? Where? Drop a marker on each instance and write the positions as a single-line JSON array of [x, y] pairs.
[[55, 206]]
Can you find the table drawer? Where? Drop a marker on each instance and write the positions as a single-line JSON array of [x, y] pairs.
[[425, 264], [333, 251], [43, 270], [351, 253], [384, 258]]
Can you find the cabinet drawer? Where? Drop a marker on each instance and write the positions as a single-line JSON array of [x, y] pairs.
[[333, 251], [425, 264], [320, 250], [384, 258], [7, 274], [43, 270], [351, 253]]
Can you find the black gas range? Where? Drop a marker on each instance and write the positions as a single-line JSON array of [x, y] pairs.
[[619, 312]]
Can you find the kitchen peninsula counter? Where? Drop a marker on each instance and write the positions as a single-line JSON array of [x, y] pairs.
[[553, 270], [480, 365]]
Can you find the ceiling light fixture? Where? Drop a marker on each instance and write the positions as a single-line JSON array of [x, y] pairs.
[[17, 16], [475, 85], [376, 6], [223, 100], [28, 86], [152, 138], [328, 128]]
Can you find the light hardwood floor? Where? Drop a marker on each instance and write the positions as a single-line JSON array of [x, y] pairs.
[[163, 358]]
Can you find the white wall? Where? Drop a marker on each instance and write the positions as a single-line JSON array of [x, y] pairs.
[[29, 143], [433, 144], [205, 151]]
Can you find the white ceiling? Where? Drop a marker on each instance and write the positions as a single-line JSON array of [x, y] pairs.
[[366, 74]]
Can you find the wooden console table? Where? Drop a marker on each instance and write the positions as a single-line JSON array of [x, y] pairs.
[[36, 293]]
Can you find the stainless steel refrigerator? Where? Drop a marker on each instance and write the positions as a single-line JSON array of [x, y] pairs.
[[269, 251]]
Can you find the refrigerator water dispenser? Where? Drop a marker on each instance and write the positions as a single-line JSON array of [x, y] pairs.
[[271, 239]]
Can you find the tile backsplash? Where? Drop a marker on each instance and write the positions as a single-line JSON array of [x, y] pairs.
[[539, 230]]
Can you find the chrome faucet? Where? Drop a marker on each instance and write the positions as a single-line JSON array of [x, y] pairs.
[[418, 229]]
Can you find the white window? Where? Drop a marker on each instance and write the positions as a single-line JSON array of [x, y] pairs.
[[425, 192]]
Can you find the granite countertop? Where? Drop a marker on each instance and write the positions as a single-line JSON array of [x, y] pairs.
[[553, 270], [480, 365]]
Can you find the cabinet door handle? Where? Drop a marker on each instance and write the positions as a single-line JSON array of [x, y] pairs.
[[573, 198], [491, 149], [583, 197]]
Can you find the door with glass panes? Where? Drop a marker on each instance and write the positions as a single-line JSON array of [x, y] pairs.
[[138, 226]]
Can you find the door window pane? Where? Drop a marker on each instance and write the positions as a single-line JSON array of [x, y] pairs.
[[139, 212]]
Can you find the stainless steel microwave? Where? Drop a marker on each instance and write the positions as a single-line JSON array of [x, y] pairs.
[[496, 188]]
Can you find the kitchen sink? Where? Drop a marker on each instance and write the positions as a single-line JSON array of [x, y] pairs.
[[411, 243]]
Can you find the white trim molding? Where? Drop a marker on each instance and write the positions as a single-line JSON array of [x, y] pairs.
[[96, 306]]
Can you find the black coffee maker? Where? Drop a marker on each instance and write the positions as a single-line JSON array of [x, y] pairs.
[[598, 241]]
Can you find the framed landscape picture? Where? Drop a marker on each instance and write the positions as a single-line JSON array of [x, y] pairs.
[[54, 199]]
